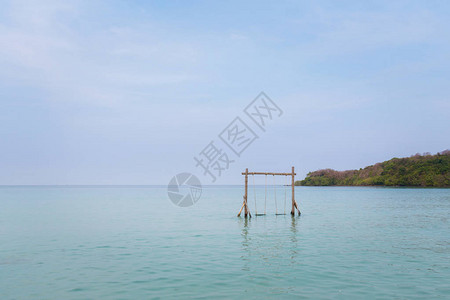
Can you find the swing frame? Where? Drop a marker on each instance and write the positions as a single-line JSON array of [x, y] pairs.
[[245, 202]]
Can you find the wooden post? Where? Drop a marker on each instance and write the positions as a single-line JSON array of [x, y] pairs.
[[293, 193], [246, 194], [294, 203], [244, 203]]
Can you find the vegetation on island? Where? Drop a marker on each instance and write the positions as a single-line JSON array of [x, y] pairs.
[[420, 170]]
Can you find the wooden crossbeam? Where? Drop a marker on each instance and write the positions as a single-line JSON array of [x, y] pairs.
[[268, 173]]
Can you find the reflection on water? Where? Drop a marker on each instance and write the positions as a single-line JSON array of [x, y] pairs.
[[244, 222], [293, 238], [246, 240], [271, 240]]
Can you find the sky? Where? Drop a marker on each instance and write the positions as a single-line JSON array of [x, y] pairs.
[[129, 92]]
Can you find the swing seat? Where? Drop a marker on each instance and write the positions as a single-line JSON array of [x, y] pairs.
[[260, 214], [280, 214]]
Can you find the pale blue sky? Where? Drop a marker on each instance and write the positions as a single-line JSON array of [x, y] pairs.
[[117, 92]]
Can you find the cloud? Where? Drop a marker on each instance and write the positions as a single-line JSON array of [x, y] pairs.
[[344, 33], [28, 50], [98, 66], [238, 36]]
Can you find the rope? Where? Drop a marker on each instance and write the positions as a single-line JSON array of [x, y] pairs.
[[285, 188], [254, 193], [265, 196], [275, 193]]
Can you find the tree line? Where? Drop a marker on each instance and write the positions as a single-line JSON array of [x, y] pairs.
[[419, 170]]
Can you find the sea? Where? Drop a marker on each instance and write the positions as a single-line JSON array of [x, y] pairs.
[[132, 242]]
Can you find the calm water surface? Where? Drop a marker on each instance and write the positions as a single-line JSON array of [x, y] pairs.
[[132, 243]]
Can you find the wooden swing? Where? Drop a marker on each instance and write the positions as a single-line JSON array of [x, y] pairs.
[[265, 196], [245, 205]]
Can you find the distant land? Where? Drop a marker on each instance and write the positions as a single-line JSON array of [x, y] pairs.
[[420, 170]]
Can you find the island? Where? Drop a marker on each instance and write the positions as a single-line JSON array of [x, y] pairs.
[[419, 170]]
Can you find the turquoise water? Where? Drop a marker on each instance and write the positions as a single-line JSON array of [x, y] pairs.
[[133, 243]]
